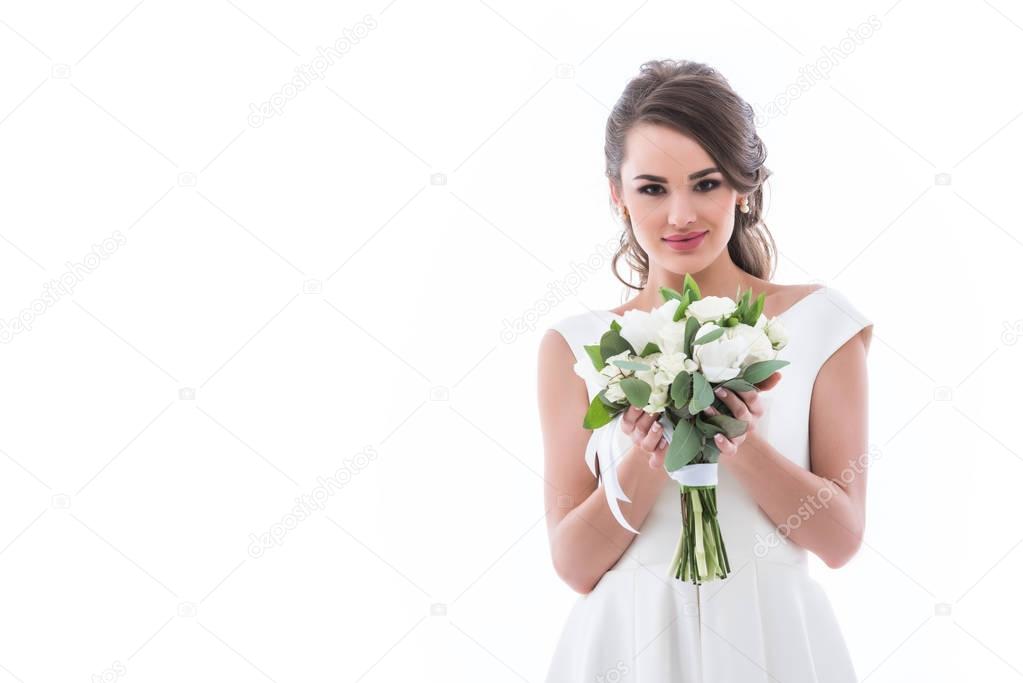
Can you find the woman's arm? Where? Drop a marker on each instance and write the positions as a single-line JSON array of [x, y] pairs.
[[829, 500], [585, 538]]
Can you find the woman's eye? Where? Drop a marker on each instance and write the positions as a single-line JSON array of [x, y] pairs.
[[643, 190], [711, 186]]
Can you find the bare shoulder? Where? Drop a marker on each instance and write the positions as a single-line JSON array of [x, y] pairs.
[[780, 298]]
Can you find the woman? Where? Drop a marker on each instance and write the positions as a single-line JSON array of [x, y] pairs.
[[686, 171]]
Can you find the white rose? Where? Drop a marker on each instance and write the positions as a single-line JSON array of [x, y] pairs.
[[614, 392], [711, 308], [641, 327], [658, 401], [720, 360], [649, 376], [777, 334], [671, 336], [758, 346], [611, 370], [669, 365]]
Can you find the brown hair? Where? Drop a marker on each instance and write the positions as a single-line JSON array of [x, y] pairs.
[[698, 102]]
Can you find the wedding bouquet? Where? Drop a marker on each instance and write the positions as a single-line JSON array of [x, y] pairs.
[[669, 361]]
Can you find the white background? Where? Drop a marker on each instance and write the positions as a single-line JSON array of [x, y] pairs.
[[321, 294]]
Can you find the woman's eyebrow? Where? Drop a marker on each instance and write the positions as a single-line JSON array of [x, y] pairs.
[[692, 176]]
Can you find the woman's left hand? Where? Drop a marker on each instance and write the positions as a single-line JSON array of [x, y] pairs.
[[745, 406]]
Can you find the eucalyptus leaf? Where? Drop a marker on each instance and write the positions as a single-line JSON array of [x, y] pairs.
[[685, 445], [707, 428], [681, 389], [637, 391], [738, 384], [631, 365], [593, 351], [703, 395], [758, 372], [711, 452], [710, 336], [692, 327], [731, 426]]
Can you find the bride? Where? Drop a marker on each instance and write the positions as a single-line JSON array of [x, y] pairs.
[[686, 172]]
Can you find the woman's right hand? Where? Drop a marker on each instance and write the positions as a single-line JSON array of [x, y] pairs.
[[646, 433]]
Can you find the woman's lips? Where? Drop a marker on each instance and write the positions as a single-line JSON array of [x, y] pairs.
[[685, 244]]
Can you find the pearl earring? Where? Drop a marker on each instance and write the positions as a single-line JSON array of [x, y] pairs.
[[744, 207]]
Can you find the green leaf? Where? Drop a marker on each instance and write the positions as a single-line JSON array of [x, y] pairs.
[[758, 309], [616, 326], [703, 395], [680, 312], [711, 452], [630, 365], [650, 348], [614, 407], [706, 428], [710, 336], [593, 351], [685, 444], [681, 389], [597, 415], [689, 285], [612, 343], [637, 391], [758, 372], [728, 424], [738, 384], [692, 327], [668, 293]]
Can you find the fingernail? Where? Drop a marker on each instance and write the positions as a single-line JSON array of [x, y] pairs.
[[656, 427], [720, 392]]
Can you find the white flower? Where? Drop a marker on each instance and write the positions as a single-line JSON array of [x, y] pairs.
[[611, 370], [614, 392], [777, 334], [584, 368], [671, 336], [730, 354], [670, 364], [658, 401], [711, 308], [641, 327], [758, 346]]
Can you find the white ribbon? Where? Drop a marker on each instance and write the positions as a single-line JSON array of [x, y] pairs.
[[609, 445], [705, 474]]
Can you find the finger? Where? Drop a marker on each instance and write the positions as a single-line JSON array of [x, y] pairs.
[[770, 382], [643, 424], [725, 445], [652, 438], [734, 403], [629, 419], [657, 458]]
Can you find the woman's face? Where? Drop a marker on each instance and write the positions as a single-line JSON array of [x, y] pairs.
[[670, 188]]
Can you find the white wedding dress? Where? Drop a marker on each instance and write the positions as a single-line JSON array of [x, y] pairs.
[[768, 620]]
